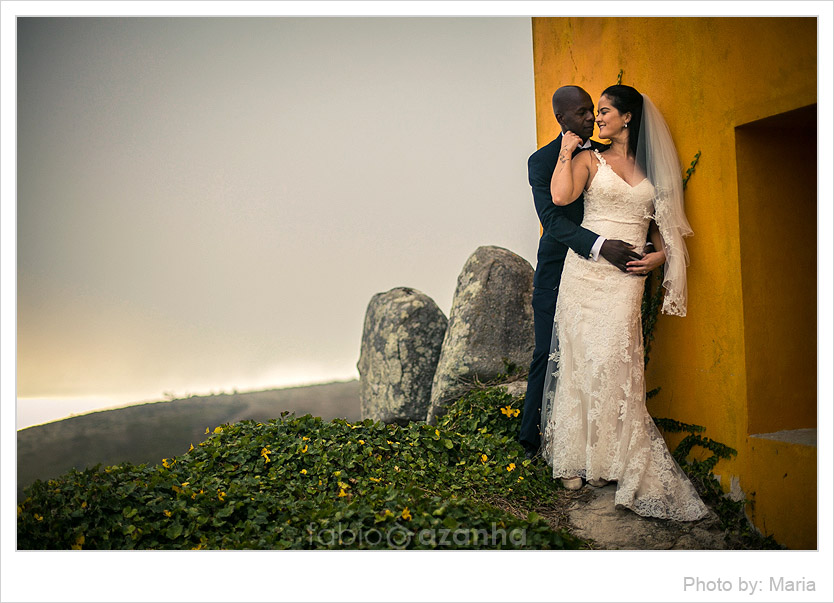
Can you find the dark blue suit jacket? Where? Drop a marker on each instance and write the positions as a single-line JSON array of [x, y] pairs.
[[560, 225]]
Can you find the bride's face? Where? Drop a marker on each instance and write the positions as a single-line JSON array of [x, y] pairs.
[[610, 121]]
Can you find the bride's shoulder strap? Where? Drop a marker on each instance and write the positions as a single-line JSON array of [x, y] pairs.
[[599, 157]]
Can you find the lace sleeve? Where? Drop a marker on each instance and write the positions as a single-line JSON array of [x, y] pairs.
[[677, 256]]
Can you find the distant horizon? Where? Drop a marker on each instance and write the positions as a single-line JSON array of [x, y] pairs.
[[30, 413]]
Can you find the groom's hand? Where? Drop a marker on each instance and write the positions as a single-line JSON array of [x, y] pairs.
[[618, 253]]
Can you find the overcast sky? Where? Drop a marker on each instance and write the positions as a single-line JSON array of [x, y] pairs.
[[210, 203]]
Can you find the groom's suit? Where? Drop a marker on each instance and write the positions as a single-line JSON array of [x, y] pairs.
[[561, 231]]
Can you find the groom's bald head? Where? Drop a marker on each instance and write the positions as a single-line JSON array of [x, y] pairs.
[[574, 110], [568, 96]]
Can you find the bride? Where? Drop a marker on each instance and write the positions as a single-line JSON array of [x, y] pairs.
[[595, 425]]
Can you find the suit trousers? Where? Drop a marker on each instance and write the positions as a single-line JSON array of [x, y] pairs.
[[544, 308]]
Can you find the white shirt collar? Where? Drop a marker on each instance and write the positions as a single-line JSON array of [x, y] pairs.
[[587, 144]]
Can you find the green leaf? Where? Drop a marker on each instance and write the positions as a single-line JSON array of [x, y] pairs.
[[225, 511], [174, 531]]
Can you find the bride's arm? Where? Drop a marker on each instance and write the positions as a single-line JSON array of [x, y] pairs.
[[656, 238], [571, 174]]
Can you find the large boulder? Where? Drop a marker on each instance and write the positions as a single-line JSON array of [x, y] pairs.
[[401, 343], [490, 325]]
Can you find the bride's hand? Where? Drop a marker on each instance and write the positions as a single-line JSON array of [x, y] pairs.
[[570, 141], [647, 263]]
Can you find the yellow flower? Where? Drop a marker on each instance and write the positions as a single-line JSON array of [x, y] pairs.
[[390, 443], [342, 493], [484, 458], [396, 468], [510, 411], [303, 472], [376, 479], [191, 448], [167, 513], [84, 505], [406, 514], [343, 486], [437, 432], [166, 464], [218, 429], [337, 473], [303, 450], [221, 496], [265, 452], [511, 466], [319, 482], [361, 441], [305, 438], [184, 484], [520, 478], [388, 513], [207, 429], [38, 517]]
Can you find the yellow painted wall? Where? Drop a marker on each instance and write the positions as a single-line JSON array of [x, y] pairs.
[[782, 479], [707, 76]]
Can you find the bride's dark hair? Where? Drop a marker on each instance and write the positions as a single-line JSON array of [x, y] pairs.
[[627, 100]]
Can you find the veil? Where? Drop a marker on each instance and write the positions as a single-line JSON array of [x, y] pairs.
[[656, 153]]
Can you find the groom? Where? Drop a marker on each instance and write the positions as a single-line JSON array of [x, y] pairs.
[[561, 228]]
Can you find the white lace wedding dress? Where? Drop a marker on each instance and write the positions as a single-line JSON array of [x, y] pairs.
[[595, 422]]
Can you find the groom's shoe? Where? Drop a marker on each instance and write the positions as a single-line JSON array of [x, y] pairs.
[[530, 451], [572, 483]]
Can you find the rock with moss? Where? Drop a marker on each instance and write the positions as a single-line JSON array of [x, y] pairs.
[[401, 343], [490, 330]]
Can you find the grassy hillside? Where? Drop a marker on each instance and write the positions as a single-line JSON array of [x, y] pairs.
[[303, 483], [146, 433]]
